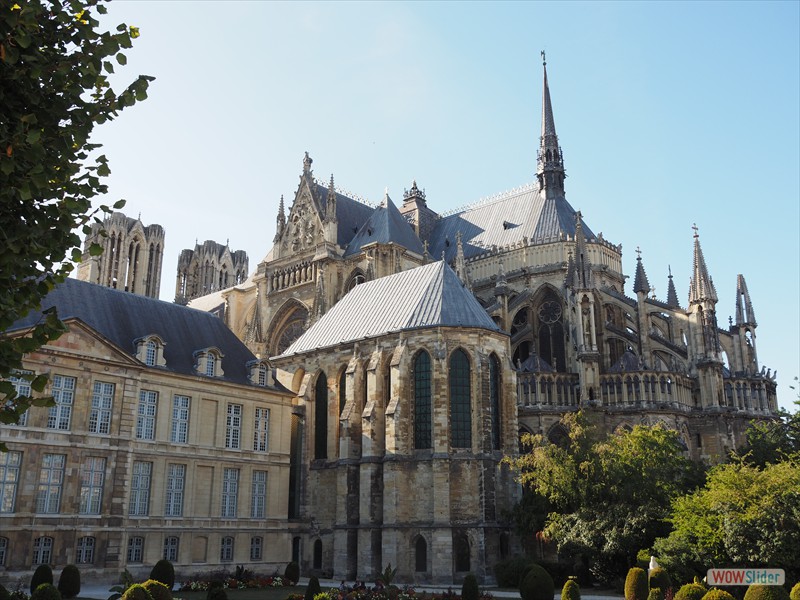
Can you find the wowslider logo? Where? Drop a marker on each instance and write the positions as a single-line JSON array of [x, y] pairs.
[[745, 577]]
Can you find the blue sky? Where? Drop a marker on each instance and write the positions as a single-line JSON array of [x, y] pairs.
[[668, 113]]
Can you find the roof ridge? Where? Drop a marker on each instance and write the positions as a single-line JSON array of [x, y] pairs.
[[520, 189]]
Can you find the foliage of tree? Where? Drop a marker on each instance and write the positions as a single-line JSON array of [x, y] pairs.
[[744, 516], [609, 494], [55, 61], [775, 440]]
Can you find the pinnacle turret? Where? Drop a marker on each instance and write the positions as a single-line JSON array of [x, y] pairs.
[[583, 267], [550, 162], [745, 315], [672, 295], [330, 210], [640, 282], [701, 286]]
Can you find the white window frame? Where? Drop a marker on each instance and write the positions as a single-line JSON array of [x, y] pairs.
[[256, 548], [23, 388], [51, 480], [176, 484], [102, 407], [233, 427], [261, 430], [211, 365], [139, 504], [136, 549], [171, 548], [10, 464], [84, 550], [226, 549], [179, 431], [258, 500], [150, 353], [230, 493], [63, 391], [146, 415], [43, 550], [93, 472]]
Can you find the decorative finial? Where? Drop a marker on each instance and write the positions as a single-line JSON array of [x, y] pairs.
[[694, 226], [669, 269], [307, 160], [228, 243], [638, 253], [139, 218], [544, 60]]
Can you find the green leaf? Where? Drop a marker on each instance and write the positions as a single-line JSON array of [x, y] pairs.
[[95, 249], [122, 59], [34, 135], [119, 203]]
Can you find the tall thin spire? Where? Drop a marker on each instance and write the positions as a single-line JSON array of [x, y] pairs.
[[583, 267], [281, 222], [745, 315], [640, 282], [672, 295], [550, 162], [701, 286]]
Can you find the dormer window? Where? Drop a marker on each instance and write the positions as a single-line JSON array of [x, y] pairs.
[[208, 362], [150, 351], [259, 372]]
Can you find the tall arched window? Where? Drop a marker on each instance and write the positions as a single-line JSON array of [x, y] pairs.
[[551, 332], [318, 554], [321, 417], [494, 399], [422, 401], [342, 390], [460, 409], [461, 554], [420, 555]]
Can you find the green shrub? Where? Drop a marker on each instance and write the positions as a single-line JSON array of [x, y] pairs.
[[4, 593], [469, 589], [158, 590], [571, 590], [46, 591], [42, 574], [69, 582], [509, 572], [292, 572], [659, 578], [655, 594], [795, 593], [643, 558], [536, 584], [691, 591], [717, 594], [636, 587], [766, 592], [313, 588], [136, 592], [164, 572]]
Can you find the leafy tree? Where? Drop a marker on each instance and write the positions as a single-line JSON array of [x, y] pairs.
[[54, 66], [775, 440], [743, 516], [609, 494]]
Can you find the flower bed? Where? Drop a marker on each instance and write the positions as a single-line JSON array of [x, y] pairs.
[[231, 583]]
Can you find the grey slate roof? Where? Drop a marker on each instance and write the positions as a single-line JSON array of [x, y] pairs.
[[122, 317], [503, 220], [386, 225], [428, 296], [350, 214]]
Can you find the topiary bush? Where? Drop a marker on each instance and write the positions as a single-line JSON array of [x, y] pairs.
[[717, 594], [643, 558], [469, 589], [42, 574], [164, 572], [292, 572], [46, 591], [536, 584], [69, 582], [136, 592], [691, 591], [509, 572], [795, 593], [636, 587], [766, 592], [158, 590], [571, 590], [655, 594], [659, 578], [313, 588]]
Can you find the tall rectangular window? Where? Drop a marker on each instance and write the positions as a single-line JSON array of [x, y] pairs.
[[58, 416], [100, 413], [256, 547], [230, 492], [171, 548], [93, 472], [176, 479], [43, 551], [146, 417], [258, 505], [180, 419], [140, 489], [51, 478], [135, 549], [3, 551], [261, 430], [23, 388], [85, 551], [233, 427], [9, 478], [226, 549]]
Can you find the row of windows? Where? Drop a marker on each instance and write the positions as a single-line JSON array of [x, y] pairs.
[[100, 414], [85, 549], [51, 484]]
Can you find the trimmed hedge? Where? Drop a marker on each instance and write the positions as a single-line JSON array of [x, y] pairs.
[[509, 572], [659, 578], [571, 590], [469, 589], [158, 590], [42, 574], [691, 591], [766, 592], [717, 594], [46, 591], [136, 592], [313, 588], [69, 582], [292, 572], [536, 584], [164, 572], [795, 593], [636, 587], [655, 594]]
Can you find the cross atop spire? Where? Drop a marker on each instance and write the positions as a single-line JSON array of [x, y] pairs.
[[550, 161]]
